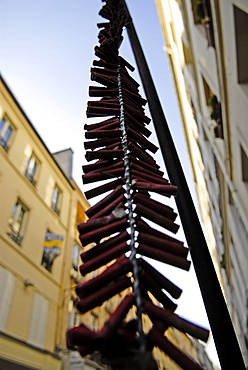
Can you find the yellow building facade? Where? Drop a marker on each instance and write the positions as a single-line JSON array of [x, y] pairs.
[[39, 249]]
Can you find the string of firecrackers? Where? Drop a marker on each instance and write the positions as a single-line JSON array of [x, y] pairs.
[[119, 151]]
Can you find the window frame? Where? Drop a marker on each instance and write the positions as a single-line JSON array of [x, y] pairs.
[[241, 25], [8, 128], [202, 15], [18, 210], [8, 281], [32, 168], [73, 315], [56, 199]]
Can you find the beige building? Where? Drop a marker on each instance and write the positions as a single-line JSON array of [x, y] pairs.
[[207, 46], [39, 249]]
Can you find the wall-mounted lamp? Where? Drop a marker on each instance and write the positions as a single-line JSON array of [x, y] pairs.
[[28, 283]]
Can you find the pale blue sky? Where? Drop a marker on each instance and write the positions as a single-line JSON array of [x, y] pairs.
[[46, 52]]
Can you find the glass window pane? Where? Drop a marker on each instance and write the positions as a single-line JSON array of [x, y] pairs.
[[6, 129], [17, 221], [31, 167], [56, 199], [7, 134], [2, 122]]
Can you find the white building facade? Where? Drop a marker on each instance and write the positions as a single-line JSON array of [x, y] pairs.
[[207, 45]]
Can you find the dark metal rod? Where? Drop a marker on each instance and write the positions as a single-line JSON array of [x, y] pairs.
[[219, 319]]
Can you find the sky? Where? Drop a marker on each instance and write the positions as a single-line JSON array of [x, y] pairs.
[[46, 52]]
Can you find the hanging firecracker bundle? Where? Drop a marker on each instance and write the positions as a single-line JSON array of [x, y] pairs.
[[121, 158]]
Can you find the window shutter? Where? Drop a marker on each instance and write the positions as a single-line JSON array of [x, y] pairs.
[[6, 292], [37, 331]]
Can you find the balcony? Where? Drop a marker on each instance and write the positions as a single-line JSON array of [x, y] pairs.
[[30, 178], [15, 235], [4, 144], [55, 209]]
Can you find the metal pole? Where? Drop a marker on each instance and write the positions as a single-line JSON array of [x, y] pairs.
[[219, 319]]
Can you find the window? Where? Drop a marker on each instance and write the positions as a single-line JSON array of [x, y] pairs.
[[76, 261], [51, 249], [74, 317], [31, 169], [198, 11], [17, 222], [56, 199], [244, 165], [37, 330], [215, 111], [208, 92], [203, 16], [241, 32], [6, 132], [6, 292]]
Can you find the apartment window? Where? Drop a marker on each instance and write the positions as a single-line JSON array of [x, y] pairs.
[[6, 132], [198, 11], [51, 249], [76, 261], [6, 292], [241, 32], [32, 168], [74, 317], [17, 221], [215, 111], [202, 15], [38, 324], [56, 199], [244, 165]]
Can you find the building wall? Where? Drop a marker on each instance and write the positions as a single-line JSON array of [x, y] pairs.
[[209, 62], [33, 300]]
